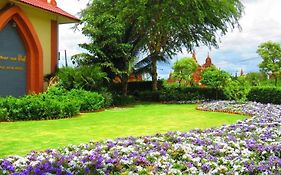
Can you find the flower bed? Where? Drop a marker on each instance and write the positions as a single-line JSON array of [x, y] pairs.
[[252, 146]]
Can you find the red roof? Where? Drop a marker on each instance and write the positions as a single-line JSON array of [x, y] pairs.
[[49, 7]]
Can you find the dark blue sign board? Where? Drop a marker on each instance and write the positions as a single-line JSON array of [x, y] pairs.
[[12, 62]]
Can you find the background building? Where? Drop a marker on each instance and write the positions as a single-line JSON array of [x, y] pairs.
[[197, 75]]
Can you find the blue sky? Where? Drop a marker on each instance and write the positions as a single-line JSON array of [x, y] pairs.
[[237, 50]]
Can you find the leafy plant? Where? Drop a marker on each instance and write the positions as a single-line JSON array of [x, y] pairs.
[[89, 101], [53, 104], [122, 100], [215, 78], [3, 115], [237, 89], [89, 78], [255, 78], [183, 70], [271, 55]]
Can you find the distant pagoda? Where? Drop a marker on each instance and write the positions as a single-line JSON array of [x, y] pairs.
[[197, 75]]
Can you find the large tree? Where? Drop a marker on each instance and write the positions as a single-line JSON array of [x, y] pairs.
[[114, 42], [119, 29], [172, 25], [271, 55]]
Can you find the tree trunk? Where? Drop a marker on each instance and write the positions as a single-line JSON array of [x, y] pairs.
[[154, 74], [125, 78], [217, 94], [125, 85]]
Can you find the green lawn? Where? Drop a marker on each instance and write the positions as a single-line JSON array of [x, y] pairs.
[[143, 119]]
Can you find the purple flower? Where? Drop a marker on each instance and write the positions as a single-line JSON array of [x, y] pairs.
[[205, 168]]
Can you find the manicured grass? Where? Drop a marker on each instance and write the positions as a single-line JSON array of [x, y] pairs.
[[18, 138]]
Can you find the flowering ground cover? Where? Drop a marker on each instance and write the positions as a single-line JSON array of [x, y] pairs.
[[251, 146], [18, 138]]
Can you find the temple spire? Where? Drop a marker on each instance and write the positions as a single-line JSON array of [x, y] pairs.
[[241, 72]]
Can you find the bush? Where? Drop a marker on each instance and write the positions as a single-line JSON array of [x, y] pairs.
[[151, 96], [53, 104], [237, 89], [108, 99], [89, 101], [38, 107], [89, 78], [179, 95], [3, 115], [136, 86], [121, 100], [141, 86], [265, 95], [190, 94]]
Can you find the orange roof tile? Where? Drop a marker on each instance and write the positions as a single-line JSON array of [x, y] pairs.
[[49, 7]]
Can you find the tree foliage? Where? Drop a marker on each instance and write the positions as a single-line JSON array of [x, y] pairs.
[[237, 89], [271, 55], [119, 29], [255, 78], [89, 78], [215, 78], [183, 70], [170, 25], [113, 44]]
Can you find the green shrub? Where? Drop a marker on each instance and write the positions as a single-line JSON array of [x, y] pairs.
[[56, 91], [89, 78], [108, 99], [121, 100], [89, 101], [265, 95], [136, 86], [53, 104], [3, 115], [237, 89], [173, 93], [39, 107], [151, 96]]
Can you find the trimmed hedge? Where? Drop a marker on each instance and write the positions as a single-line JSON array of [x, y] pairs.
[[136, 86], [121, 100], [191, 94], [265, 95], [54, 104], [180, 94], [140, 86], [149, 96]]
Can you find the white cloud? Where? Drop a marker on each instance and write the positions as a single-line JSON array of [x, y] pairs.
[[68, 37], [260, 22]]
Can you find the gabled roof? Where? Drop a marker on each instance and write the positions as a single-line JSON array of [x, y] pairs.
[[51, 8]]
